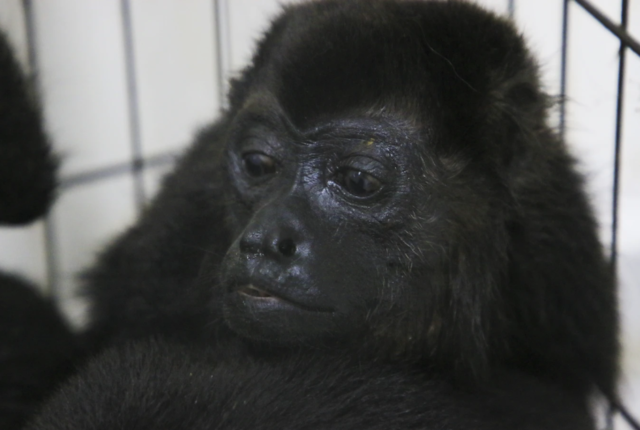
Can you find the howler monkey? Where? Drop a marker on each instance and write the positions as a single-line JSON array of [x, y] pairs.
[[384, 182]]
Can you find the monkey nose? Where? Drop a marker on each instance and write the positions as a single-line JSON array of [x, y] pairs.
[[275, 243]]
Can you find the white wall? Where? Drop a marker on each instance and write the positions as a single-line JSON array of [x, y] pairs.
[[81, 65]]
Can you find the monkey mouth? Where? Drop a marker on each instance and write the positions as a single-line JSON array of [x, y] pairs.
[[259, 295], [253, 291]]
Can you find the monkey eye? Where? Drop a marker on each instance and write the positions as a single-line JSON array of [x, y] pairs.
[[357, 182], [258, 164]]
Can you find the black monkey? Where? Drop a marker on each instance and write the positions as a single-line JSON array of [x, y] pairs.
[[37, 349], [384, 182], [154, 385]]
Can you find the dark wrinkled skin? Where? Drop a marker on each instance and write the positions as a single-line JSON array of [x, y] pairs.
[[303, 206], [478, 252]]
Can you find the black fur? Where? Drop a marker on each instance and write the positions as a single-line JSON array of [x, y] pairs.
[[479, 253], [152, 385], [496, 243], [27, 167], [37, 351]]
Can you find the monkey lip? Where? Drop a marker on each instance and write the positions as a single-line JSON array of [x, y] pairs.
[[256, 294], [253, 291]]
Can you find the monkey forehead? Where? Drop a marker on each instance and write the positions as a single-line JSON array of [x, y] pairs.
[[326, 58], [263, 111]]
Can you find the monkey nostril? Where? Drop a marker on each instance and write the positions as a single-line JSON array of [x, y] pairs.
[[287, 247]]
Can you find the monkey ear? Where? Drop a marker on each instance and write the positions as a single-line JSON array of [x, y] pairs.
[[519, 110], [27, 167]]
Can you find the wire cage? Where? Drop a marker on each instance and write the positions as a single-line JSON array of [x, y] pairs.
[[125, 83]]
